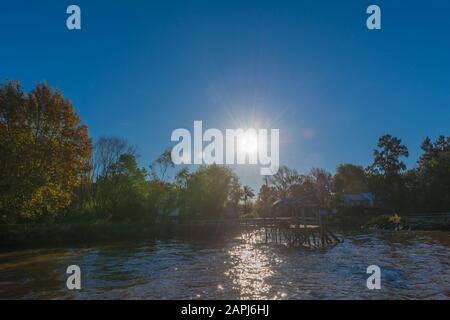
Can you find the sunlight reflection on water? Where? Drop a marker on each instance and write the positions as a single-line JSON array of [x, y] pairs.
[[250, 268]]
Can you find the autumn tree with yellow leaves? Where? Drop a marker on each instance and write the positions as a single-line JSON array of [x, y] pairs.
[[45, 152]]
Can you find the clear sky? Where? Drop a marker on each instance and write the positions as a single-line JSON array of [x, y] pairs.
[[140, 69]]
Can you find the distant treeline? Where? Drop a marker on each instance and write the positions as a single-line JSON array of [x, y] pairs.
[[52, 171], [425, 188]]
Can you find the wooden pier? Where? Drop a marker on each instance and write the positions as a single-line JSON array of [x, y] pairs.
[[296, 222], [307, 232], [293, 222]]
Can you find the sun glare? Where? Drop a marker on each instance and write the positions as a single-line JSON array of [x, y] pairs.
[[249, 143]]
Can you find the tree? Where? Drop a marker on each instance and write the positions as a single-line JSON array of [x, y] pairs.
[[163, 197], [236, 193], [432, 177], [289, 183], [387, 157], [123, 192], [44, 152], [266, 197], [107, 151], [208, 192], [182, 177], [385, 174], [160, 166], [248, 194], [286, 182], [322, 183], [349, 179]]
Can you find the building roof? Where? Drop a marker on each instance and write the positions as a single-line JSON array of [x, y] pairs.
[[298, 201], [366, 196]]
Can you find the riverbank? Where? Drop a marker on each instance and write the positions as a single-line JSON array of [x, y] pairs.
[[431, 222], [63, 234], [395, 222], [101, 232], [45, 234]]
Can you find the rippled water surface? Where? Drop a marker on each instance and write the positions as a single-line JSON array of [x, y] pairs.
[[414, 265]]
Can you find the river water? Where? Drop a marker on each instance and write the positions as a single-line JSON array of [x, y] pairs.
[[414, 265]]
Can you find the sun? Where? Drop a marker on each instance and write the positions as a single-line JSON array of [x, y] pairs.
[[248, 143]]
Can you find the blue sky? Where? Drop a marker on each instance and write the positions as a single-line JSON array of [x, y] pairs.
[[140, 69]]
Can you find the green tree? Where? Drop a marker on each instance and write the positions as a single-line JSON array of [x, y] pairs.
[[182, 177], [287, 182], [208, 192], [163, 197], [236, 193], [385, 174], [248, 194], [432, 177], [349, 179], [160, 166], [123, 193], [387, 160], [266, 197]]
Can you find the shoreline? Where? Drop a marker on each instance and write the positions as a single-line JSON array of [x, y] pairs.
[[29, 236], [83, 233]]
